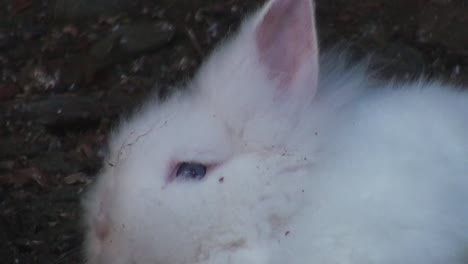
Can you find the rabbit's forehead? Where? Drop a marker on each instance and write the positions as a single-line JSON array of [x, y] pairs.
[[177, 129]]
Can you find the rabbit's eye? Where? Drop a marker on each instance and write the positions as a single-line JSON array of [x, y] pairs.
[[191, 171]]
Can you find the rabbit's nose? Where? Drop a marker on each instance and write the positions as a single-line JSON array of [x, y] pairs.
[[101, 225], [102, 231]]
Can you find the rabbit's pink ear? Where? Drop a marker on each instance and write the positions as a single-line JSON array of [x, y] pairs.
[[286, 40]]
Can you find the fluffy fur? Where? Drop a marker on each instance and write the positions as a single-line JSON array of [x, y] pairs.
[[304, 166]]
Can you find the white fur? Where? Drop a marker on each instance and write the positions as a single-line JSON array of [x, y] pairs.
[[357, 175]]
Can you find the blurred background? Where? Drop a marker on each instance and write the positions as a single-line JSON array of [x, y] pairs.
[[69, 68]]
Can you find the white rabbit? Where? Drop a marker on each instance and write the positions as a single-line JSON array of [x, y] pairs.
[[263, 159]]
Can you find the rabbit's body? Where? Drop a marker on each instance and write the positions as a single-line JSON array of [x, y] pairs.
[[391, 183], [301, 167]]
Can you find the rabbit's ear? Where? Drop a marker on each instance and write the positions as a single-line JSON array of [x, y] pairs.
[[272, 61], [286, 40]]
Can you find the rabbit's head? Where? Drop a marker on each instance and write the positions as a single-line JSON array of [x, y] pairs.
[[213, 174]]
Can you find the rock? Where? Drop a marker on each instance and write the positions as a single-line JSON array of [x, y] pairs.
[[77, 178], [444, 25], [32, 175], [31, 32], [19, 6], [441, 2], [7, 40], [124, 44], [134, 38], [8, 90], [144, 37], [80, 68], [69, 109], [184, 6], [55, 162], [71, 9], [15, 146]]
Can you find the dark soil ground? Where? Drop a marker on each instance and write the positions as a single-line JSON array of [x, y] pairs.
[[70, 68]]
